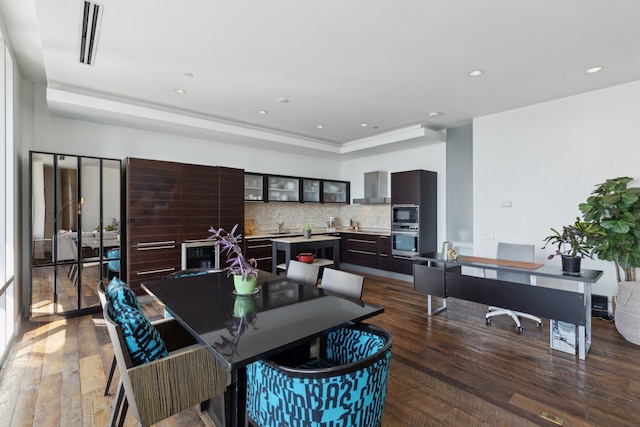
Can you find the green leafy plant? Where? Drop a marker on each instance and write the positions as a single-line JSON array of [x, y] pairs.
[[615, 208], [229, 243], [577, 239], [308, 226]]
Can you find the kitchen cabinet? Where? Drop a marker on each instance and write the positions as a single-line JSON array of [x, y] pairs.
[[384, 253], [260, 250], [253, 187], [310, 190], [360, 249], [415, 187], [335, 191], [169, 203], [283, 189]]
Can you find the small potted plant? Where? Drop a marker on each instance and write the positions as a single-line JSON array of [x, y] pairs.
[[307, 230], [244, 271], [576, 240]]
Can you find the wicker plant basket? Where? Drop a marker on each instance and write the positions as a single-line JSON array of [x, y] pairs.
[[627, 311]]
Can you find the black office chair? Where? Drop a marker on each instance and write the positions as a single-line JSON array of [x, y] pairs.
[[513, 252]]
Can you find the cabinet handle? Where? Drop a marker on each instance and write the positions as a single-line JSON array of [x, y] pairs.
[[362, 241], [263, 258], [259, 246], [154, 248], [147, 244], [383, 254], [362, 252], [403, 257], [163, 270]]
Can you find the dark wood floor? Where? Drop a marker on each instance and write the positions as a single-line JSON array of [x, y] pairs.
[[450, 369]]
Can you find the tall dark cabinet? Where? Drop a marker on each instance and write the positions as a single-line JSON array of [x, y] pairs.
[[417, 187], [169, 203]]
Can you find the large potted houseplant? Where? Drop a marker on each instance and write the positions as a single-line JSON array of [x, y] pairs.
[[615, 208], [244, 271], [574, 242]]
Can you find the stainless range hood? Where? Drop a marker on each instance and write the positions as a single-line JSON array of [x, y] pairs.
[[376, 189]]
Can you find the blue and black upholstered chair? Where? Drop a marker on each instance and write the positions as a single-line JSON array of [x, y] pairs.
[[347, 387]]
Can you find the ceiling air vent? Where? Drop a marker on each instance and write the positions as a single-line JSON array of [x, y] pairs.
[[89, 31]]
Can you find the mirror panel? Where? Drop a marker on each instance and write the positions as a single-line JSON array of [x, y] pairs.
[[75, 207]]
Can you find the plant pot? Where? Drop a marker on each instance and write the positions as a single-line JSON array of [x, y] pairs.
[[244, 287], [306, 234], [244, 305], [627, 312], [571, 265]]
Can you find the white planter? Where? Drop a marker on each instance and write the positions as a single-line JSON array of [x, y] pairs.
[[627, 312]]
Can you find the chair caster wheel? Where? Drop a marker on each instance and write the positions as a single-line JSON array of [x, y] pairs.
[[519, 329], [487, 320], [539, 324]]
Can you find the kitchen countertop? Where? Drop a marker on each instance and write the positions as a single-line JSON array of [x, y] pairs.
[[272, 234]]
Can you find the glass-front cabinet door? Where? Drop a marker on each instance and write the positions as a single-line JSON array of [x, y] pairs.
[[253, 187], [310, 190], [75, 232], [335, 192], [283, 189]]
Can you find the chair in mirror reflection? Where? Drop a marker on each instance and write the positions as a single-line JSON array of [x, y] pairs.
[[342, 282]]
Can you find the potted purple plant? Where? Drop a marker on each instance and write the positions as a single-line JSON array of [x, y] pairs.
[[244, 271]]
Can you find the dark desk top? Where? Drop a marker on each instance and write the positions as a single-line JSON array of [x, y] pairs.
[[282, 314], [545, 270]]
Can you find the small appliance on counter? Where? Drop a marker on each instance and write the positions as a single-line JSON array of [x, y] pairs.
[[249, 226], [331, 224]]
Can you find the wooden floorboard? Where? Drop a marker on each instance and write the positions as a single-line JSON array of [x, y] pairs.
[[446, 370]]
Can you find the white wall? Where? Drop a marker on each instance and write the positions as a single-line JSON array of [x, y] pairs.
[[546, 159]]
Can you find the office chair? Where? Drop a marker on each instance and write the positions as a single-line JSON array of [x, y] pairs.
[[513, 252]]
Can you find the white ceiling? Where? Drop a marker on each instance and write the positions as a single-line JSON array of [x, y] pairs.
[[340, 63]]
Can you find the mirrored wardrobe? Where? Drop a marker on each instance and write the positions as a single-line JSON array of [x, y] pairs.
[[75, 232]]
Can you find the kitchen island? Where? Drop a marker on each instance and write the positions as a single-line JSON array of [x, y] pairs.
[[299, 244]]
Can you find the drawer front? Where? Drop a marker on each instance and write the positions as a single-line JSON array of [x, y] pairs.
[[260, 249]]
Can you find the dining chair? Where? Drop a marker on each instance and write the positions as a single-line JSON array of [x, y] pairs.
[[102, 296], [303, 272], [163, 370], [342, 282], [347, 387], [513, 252]]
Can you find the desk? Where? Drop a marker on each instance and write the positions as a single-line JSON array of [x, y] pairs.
[[285, 314], [440, 278], [299, 244]]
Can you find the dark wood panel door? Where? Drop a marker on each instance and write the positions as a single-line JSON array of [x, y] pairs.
[[200, 209], [232, 198], [405, 187]]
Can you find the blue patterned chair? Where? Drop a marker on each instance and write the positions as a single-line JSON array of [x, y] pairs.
[[346, 388]]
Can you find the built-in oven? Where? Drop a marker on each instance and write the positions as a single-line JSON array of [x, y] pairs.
[[200, 254], [405, 243], [403, 215]]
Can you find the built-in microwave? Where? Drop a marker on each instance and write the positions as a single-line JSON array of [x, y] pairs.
[[404, 214]]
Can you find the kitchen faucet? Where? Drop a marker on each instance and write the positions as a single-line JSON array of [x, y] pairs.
[[279, 227]]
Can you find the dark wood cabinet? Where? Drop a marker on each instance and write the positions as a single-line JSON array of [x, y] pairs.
[[280, 188], [360, 249], [260, 250], [169, 203], [384, 253], [411, 187]]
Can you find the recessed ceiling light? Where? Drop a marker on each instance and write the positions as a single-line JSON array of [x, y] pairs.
[[283, 100], [435, 114], [475, 73], [180, 91], [320, 126], [262, 112], [188, 75], [364, 125], [594, 69]]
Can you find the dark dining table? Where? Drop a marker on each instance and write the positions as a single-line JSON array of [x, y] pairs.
[[240, 329]]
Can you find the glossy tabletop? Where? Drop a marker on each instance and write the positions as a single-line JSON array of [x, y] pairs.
[[239, 329]]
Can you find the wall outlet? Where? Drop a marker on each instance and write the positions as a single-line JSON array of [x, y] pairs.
[[505, 203]]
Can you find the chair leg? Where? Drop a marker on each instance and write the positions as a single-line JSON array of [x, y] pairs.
[[123, 414], [116, 406], [111, 371]]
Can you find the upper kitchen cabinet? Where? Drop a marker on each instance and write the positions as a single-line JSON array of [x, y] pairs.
[[283, 189], [335, 192], [253, 187], [310, 190], [414, 187]]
